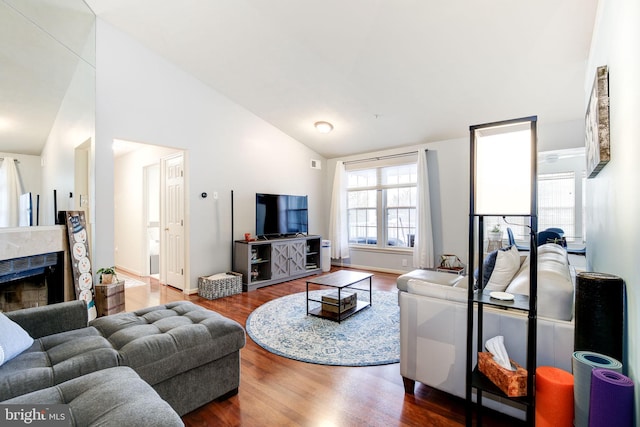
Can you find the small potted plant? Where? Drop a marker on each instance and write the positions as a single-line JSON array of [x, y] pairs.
[[495, 233], [107, 274]]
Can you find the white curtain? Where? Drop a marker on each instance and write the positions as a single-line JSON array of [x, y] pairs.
[[10, 191], [338, 232], [423, 245]]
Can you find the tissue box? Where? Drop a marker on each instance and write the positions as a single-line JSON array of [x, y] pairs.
[[512, 383]]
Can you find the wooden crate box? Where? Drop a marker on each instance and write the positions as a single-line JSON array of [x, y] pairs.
[[109, 298]]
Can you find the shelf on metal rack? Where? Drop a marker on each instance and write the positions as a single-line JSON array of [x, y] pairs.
[[479, 381], [520, 302]]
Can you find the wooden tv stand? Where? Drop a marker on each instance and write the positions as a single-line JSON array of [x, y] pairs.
[[267, 262]]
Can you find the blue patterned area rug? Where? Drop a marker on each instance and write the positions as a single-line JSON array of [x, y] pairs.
[[369, 337]]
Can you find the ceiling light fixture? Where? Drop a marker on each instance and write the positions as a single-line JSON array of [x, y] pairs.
[[323, 127]]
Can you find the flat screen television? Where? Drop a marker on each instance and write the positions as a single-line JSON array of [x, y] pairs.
[[280, 215]]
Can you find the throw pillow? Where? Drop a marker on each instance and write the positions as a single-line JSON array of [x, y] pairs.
[[499, 269], [488, 265], [13, 339]]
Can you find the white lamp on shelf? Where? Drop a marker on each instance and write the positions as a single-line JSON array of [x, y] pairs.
[[503, 169]]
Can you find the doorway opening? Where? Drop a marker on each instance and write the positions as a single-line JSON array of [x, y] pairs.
[[146, 197]]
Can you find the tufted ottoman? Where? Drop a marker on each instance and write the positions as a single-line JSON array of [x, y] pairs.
[[188, 354], [97, 399]]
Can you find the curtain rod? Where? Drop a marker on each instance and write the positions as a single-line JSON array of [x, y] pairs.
[[390, 156], [15, 160]]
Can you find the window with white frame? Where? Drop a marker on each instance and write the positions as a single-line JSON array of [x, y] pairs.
[[556, 207], [557, 202], [381, 205]]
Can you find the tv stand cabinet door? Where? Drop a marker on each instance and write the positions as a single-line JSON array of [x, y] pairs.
[[288, 259], [297, 257], [279, 260]]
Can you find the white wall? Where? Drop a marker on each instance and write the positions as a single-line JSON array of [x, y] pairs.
[[130, 231], [74, 126], [561, 135], [142, 97], [613, 200]]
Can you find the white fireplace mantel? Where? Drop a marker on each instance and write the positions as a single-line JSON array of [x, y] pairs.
[[18, 242]]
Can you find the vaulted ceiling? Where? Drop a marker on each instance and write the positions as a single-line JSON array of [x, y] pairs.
[[385, 73]]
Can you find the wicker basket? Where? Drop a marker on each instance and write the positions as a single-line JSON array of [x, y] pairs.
[[230, 284]]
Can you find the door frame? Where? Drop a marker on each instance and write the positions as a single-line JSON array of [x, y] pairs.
[[145, 213], [83, 184], [163, 221]]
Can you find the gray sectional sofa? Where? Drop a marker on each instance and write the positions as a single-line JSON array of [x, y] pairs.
[[146, 367]]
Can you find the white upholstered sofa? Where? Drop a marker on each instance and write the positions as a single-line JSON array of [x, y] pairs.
[[433, 323]]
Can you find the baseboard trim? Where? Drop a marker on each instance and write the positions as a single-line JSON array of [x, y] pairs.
[[369, 267]]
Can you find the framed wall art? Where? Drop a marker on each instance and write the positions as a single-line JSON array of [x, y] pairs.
[[597, 124]]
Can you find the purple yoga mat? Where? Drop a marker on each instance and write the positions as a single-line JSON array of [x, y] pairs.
[[611, 399]]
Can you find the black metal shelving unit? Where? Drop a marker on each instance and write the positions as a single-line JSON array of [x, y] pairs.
[[475, 380]]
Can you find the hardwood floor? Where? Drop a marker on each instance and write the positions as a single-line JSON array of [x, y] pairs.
[[276, 391]]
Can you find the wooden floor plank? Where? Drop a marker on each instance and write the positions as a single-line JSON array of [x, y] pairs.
[[276, 391]]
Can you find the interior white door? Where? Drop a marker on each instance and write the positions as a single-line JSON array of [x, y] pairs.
[[174, 220]]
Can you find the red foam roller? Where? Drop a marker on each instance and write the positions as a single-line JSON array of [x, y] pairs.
[[554, 397]]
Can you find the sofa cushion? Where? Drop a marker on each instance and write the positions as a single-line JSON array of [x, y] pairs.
[[164, 341], [13, 339], [54, 359], [555, 286], [439, 277], [99, 399], [553, 248], [436, 290], [499, 267], [51, 319]]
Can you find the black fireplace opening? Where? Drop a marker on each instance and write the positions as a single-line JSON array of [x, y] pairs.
[[31, 281]]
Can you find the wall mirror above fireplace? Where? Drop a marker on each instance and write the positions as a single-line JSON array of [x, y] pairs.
[[47, 58]]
